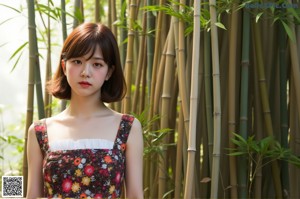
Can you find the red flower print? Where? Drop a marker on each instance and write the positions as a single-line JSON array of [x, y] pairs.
[[118, 177], [123, 147], [39, 128], [47, 177], [77, 161], [98, 196], [103, 172], [89, 170], [107, 159], [67, 185], [83, 195]]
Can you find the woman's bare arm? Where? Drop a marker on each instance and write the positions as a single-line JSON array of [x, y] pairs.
[[134, 162], [35, 161]]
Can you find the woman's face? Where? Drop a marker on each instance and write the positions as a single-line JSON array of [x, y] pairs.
[[87, 74]]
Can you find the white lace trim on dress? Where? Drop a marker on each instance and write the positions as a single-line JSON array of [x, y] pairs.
[[69, 144]]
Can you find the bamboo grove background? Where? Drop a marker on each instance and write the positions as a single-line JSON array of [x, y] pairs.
[[214, 83]]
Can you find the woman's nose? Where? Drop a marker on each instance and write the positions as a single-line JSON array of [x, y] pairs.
[[86, 72]]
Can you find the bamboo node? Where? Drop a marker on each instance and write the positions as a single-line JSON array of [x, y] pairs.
[[262, 80], [243, 118], [191, 149]]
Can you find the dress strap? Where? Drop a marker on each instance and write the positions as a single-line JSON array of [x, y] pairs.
[[123, 132], [41, 135]]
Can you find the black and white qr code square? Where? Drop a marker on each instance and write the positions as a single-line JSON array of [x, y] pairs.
[[12, 186]]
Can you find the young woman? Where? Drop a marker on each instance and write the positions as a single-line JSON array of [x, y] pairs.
[[88, 150]]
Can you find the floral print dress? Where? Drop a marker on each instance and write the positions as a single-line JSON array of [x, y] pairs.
[[84, 173]]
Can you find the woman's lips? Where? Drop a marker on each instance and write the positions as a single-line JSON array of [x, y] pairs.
[[85, 84]]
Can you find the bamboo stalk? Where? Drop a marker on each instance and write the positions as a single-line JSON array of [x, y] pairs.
[[150, 42], [193, 103], [217, 101], [48, 97], [140, 65], [294, 145], [113, 14], [160, 79], [242, 166], [295, 63], [156, 57], [265, 104], [183, 89], [258, 130], [30, 88], [77, 6], [129, 57], [143, 85], [63, 103], [232, 97], [123, 36], [283, 106], [97, 11], [208, 93], [165, 110]]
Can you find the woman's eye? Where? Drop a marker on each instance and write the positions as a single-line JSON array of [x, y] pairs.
[[76, 61], [97, 65]]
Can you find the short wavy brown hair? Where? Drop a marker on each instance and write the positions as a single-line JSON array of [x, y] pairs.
[[84, 39]]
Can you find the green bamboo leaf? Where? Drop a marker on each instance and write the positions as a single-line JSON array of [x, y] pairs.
[[16, 62], [265, 144], [3, 22], [288, 31], [237, 153], [294, 13], [12, 8], [18, 50], [1, 45], [240, 138], [3, 138], [51, 12], [220, 25], [238, 143], [258, 16]]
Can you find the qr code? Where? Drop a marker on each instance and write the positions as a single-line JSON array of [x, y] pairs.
[[12, 186]]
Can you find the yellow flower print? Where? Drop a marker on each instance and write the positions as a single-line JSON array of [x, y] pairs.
[[50, 191], [111, 189], [47, 184], [75, 187], [78, 172], [86, 181]]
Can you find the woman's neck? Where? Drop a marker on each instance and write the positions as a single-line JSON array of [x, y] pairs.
[[86, 108]]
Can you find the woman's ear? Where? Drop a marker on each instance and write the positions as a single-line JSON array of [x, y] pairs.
[[63, 65], [110, 72]]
